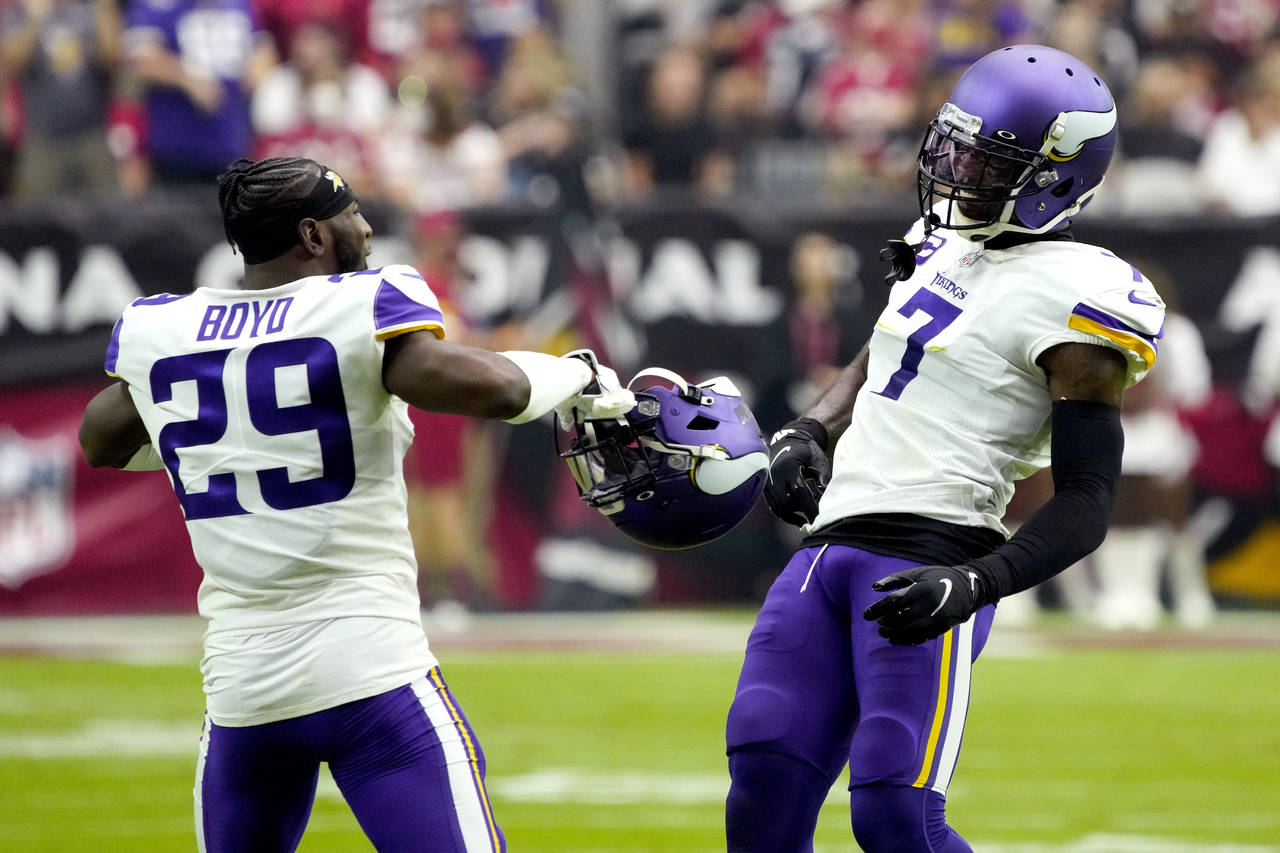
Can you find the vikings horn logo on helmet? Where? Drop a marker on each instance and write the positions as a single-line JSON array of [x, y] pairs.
[[1070, 132]]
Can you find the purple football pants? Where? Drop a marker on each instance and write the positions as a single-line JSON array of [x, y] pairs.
[[406, 761], [820, 687]]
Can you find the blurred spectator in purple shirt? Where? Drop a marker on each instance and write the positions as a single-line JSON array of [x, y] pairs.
[[200, 61], [967, 30], [494, 24]]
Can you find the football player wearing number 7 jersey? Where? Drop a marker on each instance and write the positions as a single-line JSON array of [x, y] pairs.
[[279, 413], [1005, 347]]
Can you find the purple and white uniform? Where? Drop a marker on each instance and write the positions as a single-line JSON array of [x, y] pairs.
[[957, 406], [953, 412], [284, 449]]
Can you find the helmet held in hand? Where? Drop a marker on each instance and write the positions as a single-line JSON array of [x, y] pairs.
[[681, 468]]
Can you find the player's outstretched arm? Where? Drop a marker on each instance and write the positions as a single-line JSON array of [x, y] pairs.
[[440, 376], [111, 432], [1087, 386], [517, 386]]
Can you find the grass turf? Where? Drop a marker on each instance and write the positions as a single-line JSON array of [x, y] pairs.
[[623, 752]]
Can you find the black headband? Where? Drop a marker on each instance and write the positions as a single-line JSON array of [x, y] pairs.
[[269, 232]]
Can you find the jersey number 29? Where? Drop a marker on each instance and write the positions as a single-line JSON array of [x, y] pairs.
[[325, 414]]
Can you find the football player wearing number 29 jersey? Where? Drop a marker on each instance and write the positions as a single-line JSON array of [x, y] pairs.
[[1005, 347], [279, 412]]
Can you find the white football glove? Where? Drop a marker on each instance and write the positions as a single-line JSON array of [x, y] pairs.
[[604, 398]]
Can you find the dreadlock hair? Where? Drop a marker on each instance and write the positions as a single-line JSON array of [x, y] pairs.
[[260, 202]]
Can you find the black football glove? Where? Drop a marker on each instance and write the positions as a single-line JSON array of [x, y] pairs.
[[929, 601], [799, 471]]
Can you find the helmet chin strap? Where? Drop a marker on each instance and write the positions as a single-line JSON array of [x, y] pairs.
[[970, 230], [901, 255]]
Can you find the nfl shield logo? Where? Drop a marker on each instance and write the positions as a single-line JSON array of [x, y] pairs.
[[37, 532], [970, 259]]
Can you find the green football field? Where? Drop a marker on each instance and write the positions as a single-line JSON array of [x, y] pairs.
[[609, 740]]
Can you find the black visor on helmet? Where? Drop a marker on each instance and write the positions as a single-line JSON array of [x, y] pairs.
[[976, 175]]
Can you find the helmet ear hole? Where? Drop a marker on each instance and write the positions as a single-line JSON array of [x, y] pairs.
[[703, 422], [1063, 188]]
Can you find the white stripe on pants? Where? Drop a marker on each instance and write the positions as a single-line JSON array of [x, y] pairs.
[[461, 760]]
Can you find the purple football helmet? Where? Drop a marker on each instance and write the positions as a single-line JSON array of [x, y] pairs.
[[683, 467], [1021, 145]]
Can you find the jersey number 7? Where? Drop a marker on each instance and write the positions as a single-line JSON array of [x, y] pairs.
[[325, 414], [941, 314]]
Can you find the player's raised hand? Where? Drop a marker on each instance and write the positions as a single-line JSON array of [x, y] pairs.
[[926, 602], [799, 471], [604, 397]]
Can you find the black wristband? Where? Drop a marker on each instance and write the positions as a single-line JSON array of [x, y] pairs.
[[811, 427]]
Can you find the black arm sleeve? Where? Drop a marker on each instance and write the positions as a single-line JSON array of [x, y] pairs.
[[1087, 445]]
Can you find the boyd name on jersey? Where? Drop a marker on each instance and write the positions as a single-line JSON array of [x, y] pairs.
[[268, 410]]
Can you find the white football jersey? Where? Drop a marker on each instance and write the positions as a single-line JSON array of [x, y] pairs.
[[284, 449], [955, 409]]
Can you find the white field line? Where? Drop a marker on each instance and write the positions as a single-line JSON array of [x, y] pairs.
[[142, 739], [166, 639], [107, 739]]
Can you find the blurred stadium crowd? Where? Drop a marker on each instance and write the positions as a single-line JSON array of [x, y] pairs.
[[431, 107], [439, 104]]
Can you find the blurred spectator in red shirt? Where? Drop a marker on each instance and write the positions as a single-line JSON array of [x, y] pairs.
[[319, 104], [283, 18], [449, 468], [867, 94], [1271, 446], [824, 290]]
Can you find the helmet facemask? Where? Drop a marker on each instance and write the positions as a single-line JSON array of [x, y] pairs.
[[683, 467], [971, 183], [610, 458]]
